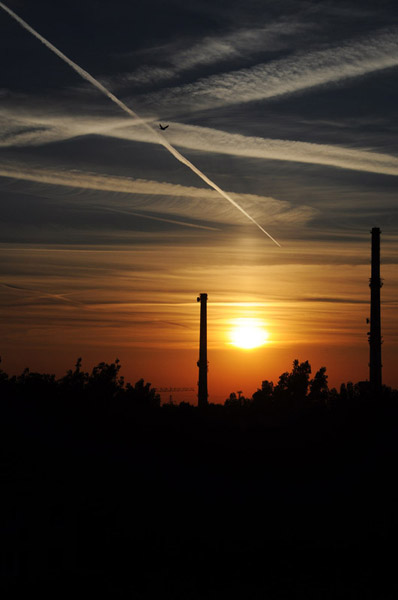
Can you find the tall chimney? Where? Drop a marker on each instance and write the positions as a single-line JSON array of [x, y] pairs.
[[202, 362], [375, 321]]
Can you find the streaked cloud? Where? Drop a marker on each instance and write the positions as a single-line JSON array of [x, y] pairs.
[[37, 129], [239, 43], [298, 72], [106, 241], [212, 140], [164, 197], [38, 294]]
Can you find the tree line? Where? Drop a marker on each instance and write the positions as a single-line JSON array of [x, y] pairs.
[[103, 384], [295, 389]]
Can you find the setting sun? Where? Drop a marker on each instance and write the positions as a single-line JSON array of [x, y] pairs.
[[248, 333]]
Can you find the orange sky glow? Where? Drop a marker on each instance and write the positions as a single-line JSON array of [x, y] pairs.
[[100, 305], [111, 226]]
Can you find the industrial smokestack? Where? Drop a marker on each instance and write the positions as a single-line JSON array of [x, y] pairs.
[[375, 321], [202, 362]]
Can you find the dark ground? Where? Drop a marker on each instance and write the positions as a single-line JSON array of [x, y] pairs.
[[177, 503]]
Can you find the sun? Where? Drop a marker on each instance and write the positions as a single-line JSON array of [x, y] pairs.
[[248, 333]]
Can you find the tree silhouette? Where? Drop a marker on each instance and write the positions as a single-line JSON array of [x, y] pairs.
[[104, 382], [142, 395], [319, 390], [236, 401], [262, 397], [74, 382], [33, 386], [293, 387]]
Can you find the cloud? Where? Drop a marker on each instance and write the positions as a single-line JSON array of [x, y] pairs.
[[19, 130], [154, 134], [36, 129], [183, 55], [212, 140], [332, 300], [298, 72], [161, 219], [39, 294], [22, 126], [211, 50], [165, 198]]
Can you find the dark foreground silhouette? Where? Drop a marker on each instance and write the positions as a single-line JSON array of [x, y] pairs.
[[289, 494]]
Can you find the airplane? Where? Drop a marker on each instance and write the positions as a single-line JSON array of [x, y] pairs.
[[163, 128]]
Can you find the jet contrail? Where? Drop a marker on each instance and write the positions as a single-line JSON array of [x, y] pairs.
[[155, 134], [41, 294], [152, 218]]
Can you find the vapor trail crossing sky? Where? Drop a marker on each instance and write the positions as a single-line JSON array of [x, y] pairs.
[[156, 135], [291, 108]]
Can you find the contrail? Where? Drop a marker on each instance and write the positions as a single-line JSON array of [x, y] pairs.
[[152, 218], [155, 134], [41, 294]]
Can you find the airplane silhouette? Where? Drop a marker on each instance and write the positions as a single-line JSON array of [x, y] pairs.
[[163, 128]]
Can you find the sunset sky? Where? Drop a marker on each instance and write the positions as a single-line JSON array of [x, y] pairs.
[[107, 240]]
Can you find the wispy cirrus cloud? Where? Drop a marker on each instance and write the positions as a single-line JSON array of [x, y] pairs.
[[39, 294], [173, 59], [164, 198], [25, 130], [31, 127], [296, 73], [213, 140], [28, 129]]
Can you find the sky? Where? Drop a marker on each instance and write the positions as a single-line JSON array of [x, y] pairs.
[[290, 108]]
